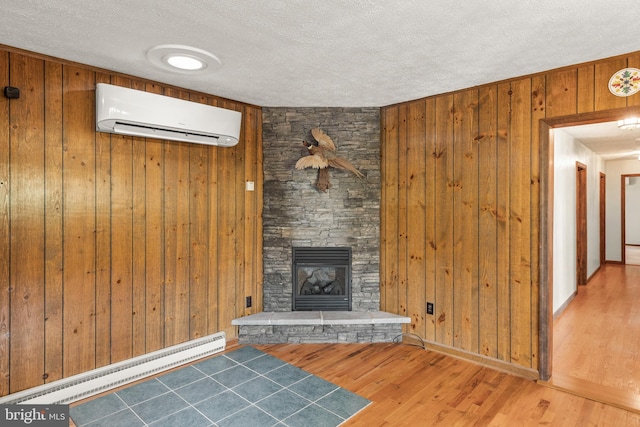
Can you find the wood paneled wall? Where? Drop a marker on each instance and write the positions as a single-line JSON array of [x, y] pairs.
[[113, 246], [461, 197]]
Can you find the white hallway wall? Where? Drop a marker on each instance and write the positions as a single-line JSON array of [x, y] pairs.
[[632, 209], [614, 170], [567, 152]]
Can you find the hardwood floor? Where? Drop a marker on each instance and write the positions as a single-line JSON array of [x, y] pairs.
[[415, 387], [596, 349], [410, 386]]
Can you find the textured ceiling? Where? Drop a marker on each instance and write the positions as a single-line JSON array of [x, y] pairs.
[[331, 53], [606, 140]]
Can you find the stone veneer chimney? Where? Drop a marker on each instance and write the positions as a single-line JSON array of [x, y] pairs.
[[297, 214]]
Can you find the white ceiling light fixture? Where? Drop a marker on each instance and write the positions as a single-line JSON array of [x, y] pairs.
[[184, 62], [629, 123], [183, 59]]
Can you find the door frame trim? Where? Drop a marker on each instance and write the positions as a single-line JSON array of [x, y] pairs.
[[545, 309], [602, 194], [582, 236]]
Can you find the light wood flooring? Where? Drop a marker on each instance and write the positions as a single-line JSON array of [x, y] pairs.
[[596, 348], [410, 386]]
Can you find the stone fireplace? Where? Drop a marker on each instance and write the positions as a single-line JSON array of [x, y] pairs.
[[297, 214]]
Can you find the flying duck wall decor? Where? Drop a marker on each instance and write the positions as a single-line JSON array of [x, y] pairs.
[[322, 156]]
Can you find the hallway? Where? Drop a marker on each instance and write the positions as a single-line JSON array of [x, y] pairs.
[[596, 345]]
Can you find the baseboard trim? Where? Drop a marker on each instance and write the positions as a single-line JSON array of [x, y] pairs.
[[499, 365], [562, 308]]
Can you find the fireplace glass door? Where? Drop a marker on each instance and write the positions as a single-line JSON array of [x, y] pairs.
[[322, 279]]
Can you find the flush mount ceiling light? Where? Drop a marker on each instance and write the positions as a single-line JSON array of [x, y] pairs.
[[183, 59], [629, 123]]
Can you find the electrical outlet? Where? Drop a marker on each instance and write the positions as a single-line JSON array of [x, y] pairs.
[[429, 308], [248, 302]]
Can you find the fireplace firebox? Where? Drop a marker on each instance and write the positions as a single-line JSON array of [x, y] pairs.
[[321, 279]]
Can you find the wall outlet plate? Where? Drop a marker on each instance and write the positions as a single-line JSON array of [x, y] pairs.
[[429, 308]]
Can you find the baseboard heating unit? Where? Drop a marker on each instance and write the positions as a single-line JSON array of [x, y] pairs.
[[77, 387]]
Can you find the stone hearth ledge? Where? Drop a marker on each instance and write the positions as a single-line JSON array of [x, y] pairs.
[[300, 327], [278, 318]]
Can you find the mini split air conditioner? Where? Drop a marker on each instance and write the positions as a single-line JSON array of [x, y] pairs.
[[132, 112]]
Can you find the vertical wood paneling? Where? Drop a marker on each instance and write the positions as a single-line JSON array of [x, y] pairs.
[[225, 242], [259, 186], [154, 239], [443, 309], [240, 217], [430, 214], [213, 320], [586, 89], [249, 220], [633, 61], [226, 239], [416, 217], [562, 92], [170, 207], [199, 240], [538, 103], [465, 228], [250, 207], [487, 221], [121, 210], [5, 295], [78, 124], [520, 223], [103, 242], [389, 220], [502, 214], [403, 264], [26, 151], [176, 238], [100, 223], [53, 222], [121, 205], [138, 199]]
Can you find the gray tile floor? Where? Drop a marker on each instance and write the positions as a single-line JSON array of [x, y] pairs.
[[245, 387]]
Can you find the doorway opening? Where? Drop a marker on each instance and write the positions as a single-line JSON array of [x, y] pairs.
[[581, 224], [547, 220]]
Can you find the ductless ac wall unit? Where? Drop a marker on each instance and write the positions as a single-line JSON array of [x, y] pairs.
[[127, 111]]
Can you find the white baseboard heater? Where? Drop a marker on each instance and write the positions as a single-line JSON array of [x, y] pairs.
[[77, 387]]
